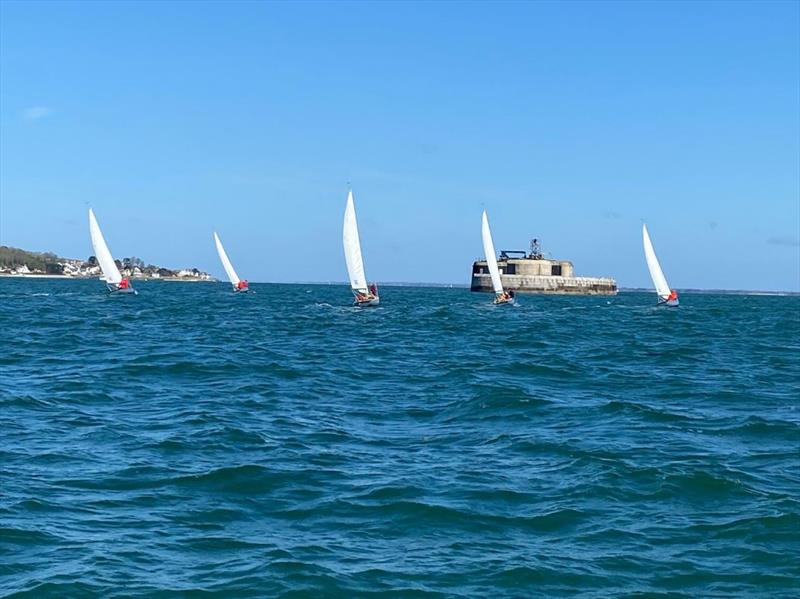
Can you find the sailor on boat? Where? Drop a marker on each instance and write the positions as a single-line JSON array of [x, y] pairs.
[[506, 297], [672, 298], [124, 286], [242, 286], [368, 297]]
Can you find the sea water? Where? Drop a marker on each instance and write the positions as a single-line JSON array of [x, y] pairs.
[[189, 442]]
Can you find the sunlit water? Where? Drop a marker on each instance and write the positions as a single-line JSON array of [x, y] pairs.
[[189, 442]]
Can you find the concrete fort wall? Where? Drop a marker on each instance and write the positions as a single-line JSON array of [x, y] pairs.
[[547, 284], [527, 267], [537, 268]]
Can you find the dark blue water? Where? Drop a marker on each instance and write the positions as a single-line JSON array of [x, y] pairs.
[[192, 443]]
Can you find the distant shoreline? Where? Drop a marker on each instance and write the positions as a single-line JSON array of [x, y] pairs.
[[401, 284], [72, 278]]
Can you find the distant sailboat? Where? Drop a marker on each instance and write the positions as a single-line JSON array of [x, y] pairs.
[[239, 285], [500, 296], [365, 295], [665, 295], [114, 280]]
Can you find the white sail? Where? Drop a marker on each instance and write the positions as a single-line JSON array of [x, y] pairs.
[[659, 281], [491, 257], [104, 259], [226, 263], [352, 248]]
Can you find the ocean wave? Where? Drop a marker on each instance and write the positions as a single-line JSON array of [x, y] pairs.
[[188, 443]]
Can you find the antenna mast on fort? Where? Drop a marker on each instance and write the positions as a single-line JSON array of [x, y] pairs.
[[536, 250]]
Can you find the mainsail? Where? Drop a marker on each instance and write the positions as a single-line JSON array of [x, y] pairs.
[[111, 273], [491, 257], [226, 263], [659, 281], [352, 248]]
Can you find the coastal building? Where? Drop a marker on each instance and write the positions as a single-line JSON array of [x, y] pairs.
[[70, 269], [15, 262], [531, 272], [191, 274]]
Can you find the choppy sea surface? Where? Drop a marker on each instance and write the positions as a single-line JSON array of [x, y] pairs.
[[192, 443]]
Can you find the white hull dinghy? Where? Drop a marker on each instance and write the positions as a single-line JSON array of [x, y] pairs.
[[372, 299], [239, 285], [501, 298], [365, 295], [115, 282], [666, 296]]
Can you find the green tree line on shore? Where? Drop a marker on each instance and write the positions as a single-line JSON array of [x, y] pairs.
[[13, 257], [48, 262]]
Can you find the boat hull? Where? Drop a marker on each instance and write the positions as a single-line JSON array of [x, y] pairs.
[[125, 291], [366, 304]]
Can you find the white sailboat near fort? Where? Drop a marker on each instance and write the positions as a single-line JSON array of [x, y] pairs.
[[500, 297], [666, 296], [115, 282], [239, 285], [365, 295]]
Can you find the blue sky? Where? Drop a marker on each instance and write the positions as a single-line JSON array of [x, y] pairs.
[[567, 121]]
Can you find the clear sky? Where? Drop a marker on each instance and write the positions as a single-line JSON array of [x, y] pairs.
[[567, 121]]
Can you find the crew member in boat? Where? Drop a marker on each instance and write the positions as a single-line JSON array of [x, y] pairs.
[[673, 295], [242, 285], [124, 284], [370, 295], [506, 296]]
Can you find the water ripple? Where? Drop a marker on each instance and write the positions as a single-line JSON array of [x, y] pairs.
[[188, 442]]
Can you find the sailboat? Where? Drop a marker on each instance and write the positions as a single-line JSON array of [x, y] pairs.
[[500, 297], [365, 295], [666, 296], [114, 280], [239, 285]]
